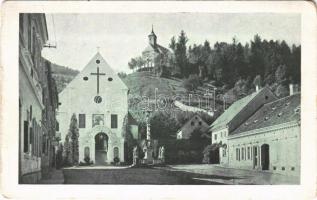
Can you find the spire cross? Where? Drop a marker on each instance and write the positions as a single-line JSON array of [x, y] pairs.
[[98, 74]]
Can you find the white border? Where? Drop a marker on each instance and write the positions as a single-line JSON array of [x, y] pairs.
[[9, 104]]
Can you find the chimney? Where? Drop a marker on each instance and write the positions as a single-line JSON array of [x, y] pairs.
[[291, 89]]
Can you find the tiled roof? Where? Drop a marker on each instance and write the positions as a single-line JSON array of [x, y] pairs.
[[233, 110], [283, 110]]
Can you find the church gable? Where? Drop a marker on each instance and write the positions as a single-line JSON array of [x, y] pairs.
[[88, 77]]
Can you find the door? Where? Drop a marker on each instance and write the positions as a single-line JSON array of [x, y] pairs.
[[255, 157], [265, 157], [101, 148]]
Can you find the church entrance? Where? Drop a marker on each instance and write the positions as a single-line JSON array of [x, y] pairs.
[[101, 148], [265, 156]]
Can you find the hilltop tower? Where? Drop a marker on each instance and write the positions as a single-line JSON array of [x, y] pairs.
[[152, 38]]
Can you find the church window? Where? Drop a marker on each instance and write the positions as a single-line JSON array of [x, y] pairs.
[[85, 78], [110, 79], [82, 120], [97, 61], [98, 99], [114, 121], [26, 136]]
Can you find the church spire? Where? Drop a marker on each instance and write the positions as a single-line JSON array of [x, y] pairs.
[[152, 37]]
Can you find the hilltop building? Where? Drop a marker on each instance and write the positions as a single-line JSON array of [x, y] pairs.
[[38, 101], [156, 56], [258, 131], [99, 99]]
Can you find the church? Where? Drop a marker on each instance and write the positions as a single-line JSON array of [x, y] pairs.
[[99, 99]]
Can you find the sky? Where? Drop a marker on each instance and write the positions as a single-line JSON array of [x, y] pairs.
[[122, 36]]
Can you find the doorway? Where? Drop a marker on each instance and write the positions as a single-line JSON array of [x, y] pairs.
[[255, 157], [101, 148], [265, 156]]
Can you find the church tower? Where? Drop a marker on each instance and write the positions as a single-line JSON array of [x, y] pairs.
[[152, 38]]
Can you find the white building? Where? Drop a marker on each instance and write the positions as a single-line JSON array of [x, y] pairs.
[[236, 114], [269, 139], [260, 132], [195, 123], [98, 97]]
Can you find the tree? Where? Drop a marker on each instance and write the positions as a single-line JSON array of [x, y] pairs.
[[280, 74], [132, 64], [179, 48], [71, 142]]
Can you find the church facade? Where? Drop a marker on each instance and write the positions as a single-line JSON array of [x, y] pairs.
[[99, 99]]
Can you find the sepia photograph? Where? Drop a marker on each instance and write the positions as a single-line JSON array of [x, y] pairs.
[[174, 98]]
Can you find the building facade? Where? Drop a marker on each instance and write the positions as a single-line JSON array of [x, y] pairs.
[[195, 123], [236, 114], [37, 100], [270, 139], [266, 135], [98, 98]]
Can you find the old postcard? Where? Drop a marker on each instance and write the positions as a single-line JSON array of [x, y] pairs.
[[100, 97]]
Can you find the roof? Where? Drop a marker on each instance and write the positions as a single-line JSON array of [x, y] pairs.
[[157, 48], [281, 111], [233, 110], [190, 120]]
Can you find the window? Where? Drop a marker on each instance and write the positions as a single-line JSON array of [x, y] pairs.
[[224, 153], [192, 123], [237, 154], [249, 153], [242, 152], [200, 123], [114, 121], [32, 140], [215, 136], [26, 136], [82, 120]]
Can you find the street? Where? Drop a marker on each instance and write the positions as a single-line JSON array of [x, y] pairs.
[[167, 175]]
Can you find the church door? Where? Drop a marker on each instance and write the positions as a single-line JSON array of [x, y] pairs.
[[101, 148]]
